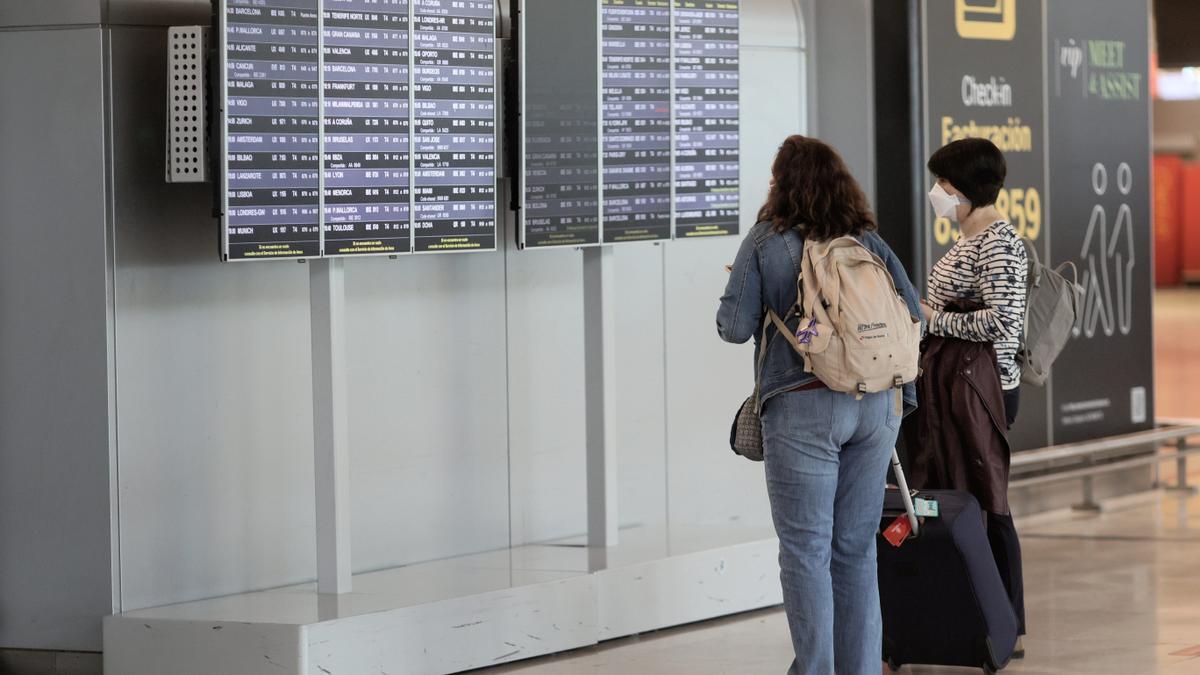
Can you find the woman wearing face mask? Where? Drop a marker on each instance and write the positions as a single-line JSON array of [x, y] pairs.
[[985, 272]]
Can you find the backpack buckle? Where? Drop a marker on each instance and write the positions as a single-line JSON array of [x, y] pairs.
[[862, 388]]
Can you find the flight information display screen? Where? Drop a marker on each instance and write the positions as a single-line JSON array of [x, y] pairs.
[[366, 54], [706, 117], [637, 119], [357, 127], [664, 83], [272, 129], [560, 117], [455, 124]]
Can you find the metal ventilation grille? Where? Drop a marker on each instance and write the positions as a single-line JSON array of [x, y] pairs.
[[187, 105]]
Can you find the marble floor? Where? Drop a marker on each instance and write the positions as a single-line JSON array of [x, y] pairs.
[[1115, 593], [1177, 352]]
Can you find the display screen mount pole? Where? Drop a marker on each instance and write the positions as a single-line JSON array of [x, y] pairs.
[[600, 395], [331, 442]]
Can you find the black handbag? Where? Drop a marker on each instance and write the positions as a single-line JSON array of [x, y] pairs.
[[745, 434]]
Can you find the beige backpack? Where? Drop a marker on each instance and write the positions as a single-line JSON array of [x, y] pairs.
[[855, 332]]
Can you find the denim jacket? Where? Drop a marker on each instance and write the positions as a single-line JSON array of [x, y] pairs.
[[764, 275]]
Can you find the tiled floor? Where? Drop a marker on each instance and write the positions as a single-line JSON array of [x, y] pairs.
[[1116, 593], [1177, 352]]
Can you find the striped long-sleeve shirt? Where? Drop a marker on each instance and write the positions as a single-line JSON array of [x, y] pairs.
[[989, 268]]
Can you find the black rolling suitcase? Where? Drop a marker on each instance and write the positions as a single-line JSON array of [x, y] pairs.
[[942, 598]]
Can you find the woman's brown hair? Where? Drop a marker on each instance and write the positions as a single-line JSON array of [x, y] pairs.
[[813, 192]]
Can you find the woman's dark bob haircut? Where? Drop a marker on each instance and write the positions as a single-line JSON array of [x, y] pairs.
[[974, 166], [813, 192]]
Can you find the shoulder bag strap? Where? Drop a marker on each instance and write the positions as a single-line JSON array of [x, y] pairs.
[[781, 326], [762, 357]]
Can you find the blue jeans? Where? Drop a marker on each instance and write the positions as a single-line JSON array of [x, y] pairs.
[[827, 456]]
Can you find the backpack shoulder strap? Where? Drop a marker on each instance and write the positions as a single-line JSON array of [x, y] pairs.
[[794, 243], [1035, 262], [808, 285], [826, 282]]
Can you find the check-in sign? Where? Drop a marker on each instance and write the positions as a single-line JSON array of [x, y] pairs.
[[986, 19]]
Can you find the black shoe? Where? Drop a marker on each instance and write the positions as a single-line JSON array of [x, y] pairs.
[[1019, 649]]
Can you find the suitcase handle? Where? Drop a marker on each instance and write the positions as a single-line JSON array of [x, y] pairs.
[[905, 495]]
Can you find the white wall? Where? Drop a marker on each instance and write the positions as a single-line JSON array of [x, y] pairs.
[[466, 373], [707, 379], [55, 539]]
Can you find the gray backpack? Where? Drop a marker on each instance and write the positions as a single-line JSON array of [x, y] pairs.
[[1052, 303]]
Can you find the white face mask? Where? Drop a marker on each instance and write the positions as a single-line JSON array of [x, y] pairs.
[[945, 204]]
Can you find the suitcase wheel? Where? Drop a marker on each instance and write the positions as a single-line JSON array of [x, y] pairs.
[[893, 666], [989, 659]]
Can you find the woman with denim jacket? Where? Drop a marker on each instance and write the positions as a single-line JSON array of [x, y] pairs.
[[826, 453]]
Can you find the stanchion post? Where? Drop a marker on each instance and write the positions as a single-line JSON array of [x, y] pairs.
[[1089, 503], [1181, 468]]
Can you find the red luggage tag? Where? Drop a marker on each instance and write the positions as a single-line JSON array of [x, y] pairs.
[[898, 531]]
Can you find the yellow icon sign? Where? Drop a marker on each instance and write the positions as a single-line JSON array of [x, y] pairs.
[[986, 19]]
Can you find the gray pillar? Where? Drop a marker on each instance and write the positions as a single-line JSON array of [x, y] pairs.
[[843, 72]]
